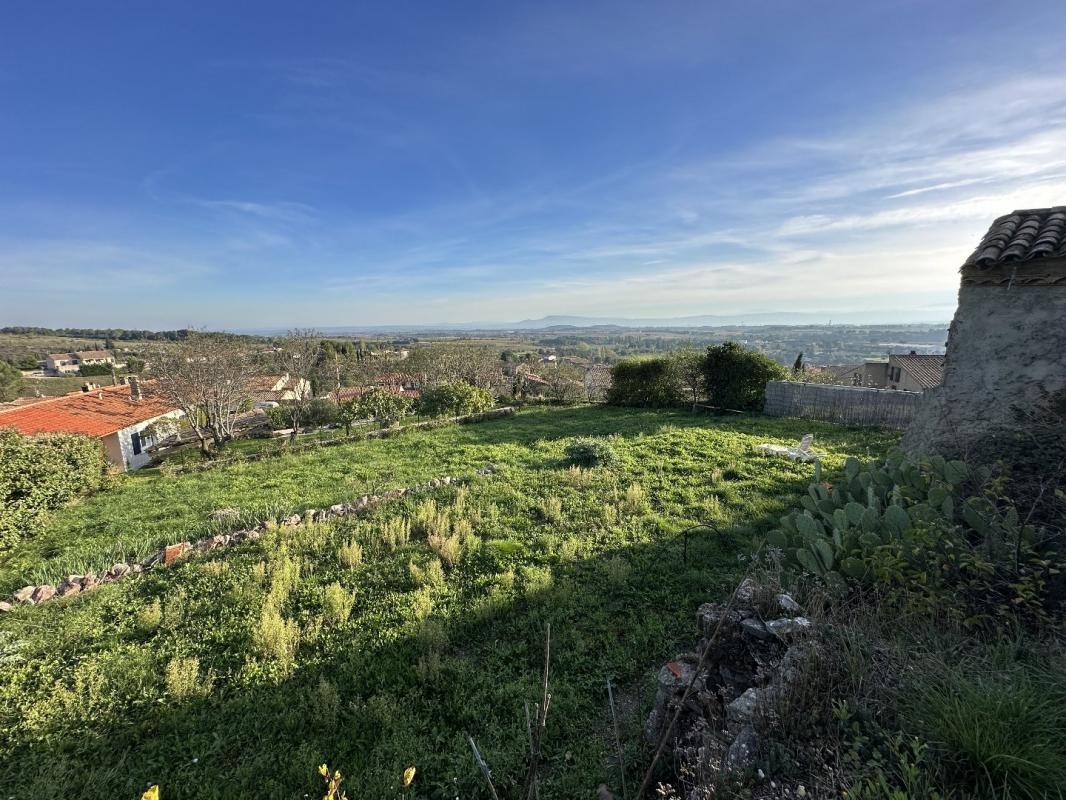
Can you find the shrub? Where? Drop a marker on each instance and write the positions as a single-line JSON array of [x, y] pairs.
[[551, 509], [455, 399], [617, 570], [325, 703], [430, 575], [91, 370], [11, 382], [183, 678], [383, 406], [588, 452], [350, 554], [736, 378], [449, 548], [150, 616], [431, 520], [318, 412], [422, 603], [280, 417], [38, 473], [395, 531], [336, 604], [635, 501], [646, 382], [276, 636]]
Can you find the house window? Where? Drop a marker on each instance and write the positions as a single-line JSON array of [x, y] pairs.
[[136, 439]]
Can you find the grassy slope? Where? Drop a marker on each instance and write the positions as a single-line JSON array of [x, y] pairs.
[[85, 710]]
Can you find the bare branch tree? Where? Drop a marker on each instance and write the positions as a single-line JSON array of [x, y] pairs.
[[301, 357], [450, 362], [209, 377], [565, 383]]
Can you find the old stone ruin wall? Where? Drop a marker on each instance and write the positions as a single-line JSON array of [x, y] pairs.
[[1006, 349]]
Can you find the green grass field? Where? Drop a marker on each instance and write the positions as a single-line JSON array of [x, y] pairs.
[[354, 643]]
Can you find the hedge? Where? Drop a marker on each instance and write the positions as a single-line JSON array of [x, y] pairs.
[[646, 382], [38, 473]]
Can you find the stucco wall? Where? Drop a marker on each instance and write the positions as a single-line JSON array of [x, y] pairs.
[[118, 447], [1005, 346]]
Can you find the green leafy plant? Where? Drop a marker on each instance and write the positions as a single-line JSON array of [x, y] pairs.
[[337, 604], [39, 473], [997, 733], [589, 452]]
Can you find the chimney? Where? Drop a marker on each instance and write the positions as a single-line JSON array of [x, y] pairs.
[[88, 387], [135, 387]]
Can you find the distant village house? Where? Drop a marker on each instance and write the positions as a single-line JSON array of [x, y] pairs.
[[400, 383], [274, 390], [57, 364], [910, 372]]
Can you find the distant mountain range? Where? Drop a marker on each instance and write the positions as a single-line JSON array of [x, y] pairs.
[[563, 321]]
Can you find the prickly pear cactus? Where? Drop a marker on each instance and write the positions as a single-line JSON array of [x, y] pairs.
[[842, 525]]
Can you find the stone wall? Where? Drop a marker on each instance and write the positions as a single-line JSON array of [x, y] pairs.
[[848, 405], [1006, 346]]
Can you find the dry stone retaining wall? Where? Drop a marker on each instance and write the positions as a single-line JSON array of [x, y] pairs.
[[75, 584]]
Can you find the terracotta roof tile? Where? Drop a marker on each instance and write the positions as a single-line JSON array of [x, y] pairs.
[[1022, 236], [95, 413]]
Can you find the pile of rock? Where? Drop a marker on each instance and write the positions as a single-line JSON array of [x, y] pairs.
[[749, 660], [73, 584]]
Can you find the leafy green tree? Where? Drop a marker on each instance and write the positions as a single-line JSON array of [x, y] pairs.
[[736, 378], [11, 383], [382, 406], [455, 399]]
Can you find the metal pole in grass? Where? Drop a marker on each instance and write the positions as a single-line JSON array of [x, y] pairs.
[[484, 768], [617, 741], [692, 529], [665, 735], [532, 790]]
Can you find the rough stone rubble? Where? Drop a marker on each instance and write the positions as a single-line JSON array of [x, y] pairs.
[[740, 677]]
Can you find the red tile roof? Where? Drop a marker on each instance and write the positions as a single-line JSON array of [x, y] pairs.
[[82, 355], [1022, 236], [99, 412], [354, 392]]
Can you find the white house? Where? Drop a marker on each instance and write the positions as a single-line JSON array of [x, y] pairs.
[[273, 390], [70, 363], [124, 418]]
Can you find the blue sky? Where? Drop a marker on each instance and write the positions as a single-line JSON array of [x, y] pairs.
[[341, 163]]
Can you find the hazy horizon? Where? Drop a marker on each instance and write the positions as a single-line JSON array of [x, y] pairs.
[[420, 164]]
